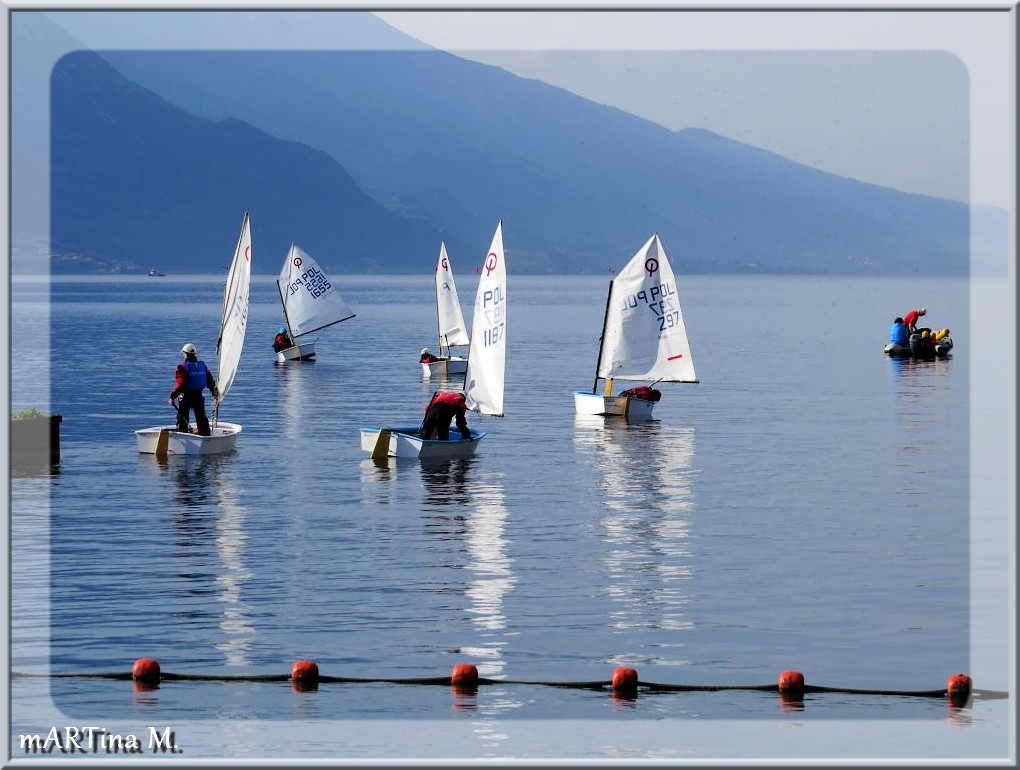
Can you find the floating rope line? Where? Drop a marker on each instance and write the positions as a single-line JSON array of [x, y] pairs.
[[464, 679]]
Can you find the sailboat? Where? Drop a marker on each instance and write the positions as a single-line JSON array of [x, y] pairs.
[[484, 378], [167, 440], [643, 336], [310, 301], [452, 329]]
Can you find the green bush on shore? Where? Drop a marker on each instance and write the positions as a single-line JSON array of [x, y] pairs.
[[28, 414]]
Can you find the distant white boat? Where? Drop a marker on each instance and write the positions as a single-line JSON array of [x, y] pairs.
[[643, 336], [153, 272], [484, 378], [452, 329], [167, 440], [311, 302]]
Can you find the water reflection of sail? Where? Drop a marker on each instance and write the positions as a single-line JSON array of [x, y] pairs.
[[491, 569], [646, 478], [295, 385], [466, 504], [207, 506]]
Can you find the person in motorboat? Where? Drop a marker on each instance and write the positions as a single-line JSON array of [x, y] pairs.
[[427, 357], [898, 334], [282, 340], [643, 392], [192, 377], [441, 411], [910, 319], [899, 339]]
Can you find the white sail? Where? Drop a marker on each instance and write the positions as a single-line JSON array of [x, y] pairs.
[[644, 336], [234, 317], [452, 329], [487, 359], [310, 300]]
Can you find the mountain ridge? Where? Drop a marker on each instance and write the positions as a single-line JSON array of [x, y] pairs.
[[436, 147]]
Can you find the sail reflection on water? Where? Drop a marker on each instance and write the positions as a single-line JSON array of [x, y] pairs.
[[208, 507], [294, 386], [467, 505], [645, 471]]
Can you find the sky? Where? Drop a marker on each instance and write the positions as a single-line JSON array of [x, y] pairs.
[[912, 100]]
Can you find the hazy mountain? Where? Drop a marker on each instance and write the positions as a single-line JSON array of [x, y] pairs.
[[442, 145], [138, 180]]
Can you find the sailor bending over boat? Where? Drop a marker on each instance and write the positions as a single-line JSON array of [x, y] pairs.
[[911, 318], [440, 412], [644, 392], [192, 377]]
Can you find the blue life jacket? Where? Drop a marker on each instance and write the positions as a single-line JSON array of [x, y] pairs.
[[898, 334], [196, 375]]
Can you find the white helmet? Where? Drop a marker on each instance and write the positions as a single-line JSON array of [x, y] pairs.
[[423, 351], [189, 348]]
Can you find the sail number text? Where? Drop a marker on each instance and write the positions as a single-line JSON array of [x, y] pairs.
[[659, 300], [313, 280], [495, 313]]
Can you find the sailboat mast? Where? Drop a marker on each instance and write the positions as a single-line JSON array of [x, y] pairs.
[[602, 340], [439, 320], [286, 316], [439, 326]]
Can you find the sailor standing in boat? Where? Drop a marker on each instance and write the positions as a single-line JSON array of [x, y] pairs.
[[192, 377], [440, 412]]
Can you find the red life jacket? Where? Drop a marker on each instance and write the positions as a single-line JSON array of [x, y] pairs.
[[456, 400], [643, 392]]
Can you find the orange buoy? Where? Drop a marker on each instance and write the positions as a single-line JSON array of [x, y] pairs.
[[305, 671], [464, 675], [145, 670], [791, 682], [958, 688], [625, 680]]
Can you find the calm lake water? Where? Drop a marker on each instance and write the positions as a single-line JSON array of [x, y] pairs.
[[809, 505]]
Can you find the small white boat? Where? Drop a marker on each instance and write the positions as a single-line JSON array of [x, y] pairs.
[[310, 302], [167, 440], [304, 351], [452, 329], [223, 439], [643, 336], [484, 378], [404, 441]]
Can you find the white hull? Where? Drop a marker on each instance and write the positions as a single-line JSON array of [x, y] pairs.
[[404, 442], [304, 351], [444, 367], [612, 406], [223, 439]]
